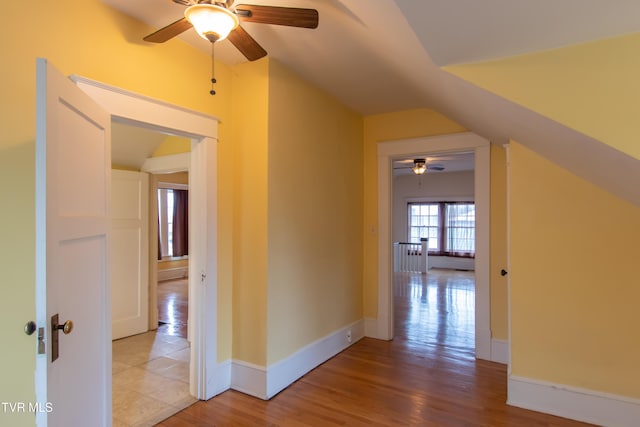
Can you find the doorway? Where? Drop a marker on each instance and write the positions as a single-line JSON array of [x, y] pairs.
[[134, 109], [150, 351], [172, 195], [389, 150], [433, 232]]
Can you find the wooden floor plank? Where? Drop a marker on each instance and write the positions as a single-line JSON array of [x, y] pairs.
[[426, 376]]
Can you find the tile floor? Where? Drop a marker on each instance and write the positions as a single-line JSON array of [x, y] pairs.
[[150, 379], [151, 370]]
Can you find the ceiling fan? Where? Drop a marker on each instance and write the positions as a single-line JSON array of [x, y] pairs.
[[221, 20], [419, 165]]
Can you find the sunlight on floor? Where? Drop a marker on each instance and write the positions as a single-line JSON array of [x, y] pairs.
[[437, 307]]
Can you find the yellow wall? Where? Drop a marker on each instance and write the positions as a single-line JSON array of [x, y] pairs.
[[250, 210], [573, 277], [89, 39], [592, 87], [173, 145], [572, 249], [315, 214], [176, 178]]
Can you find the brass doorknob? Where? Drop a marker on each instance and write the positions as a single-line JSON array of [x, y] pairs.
[[66, 327]]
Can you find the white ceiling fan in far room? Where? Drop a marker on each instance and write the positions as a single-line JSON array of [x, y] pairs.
[[420, 164]]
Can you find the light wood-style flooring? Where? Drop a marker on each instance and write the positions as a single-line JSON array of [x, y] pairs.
[[426, 376]]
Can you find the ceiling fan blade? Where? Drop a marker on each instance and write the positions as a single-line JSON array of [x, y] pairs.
[[246, 44], [289, 16], [169, 32]]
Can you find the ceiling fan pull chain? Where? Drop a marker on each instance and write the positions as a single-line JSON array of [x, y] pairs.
[[213, 79]]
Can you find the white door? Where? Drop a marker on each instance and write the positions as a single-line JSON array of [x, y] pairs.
[[129, 253], [73, 162]]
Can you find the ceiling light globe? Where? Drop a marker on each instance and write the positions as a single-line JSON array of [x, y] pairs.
[[213, 23], [419, 166]]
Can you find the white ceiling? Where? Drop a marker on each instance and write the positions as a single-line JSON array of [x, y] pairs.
[[131, 145], [372, 54], [463, 31]]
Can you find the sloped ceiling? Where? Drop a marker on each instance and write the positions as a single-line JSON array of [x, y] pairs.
[[370, 54], [131, 146], [384, 55]]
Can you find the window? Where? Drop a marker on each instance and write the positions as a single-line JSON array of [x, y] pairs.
[[165, 221], [424, 221], [172, 221], [460, 228], [449, 226]]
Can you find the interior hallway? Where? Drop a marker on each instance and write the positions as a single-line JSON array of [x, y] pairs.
[[427, 375], [151, 370]]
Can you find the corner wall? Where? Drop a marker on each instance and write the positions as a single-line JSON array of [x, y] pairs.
[[297, 293], [315, 214], [250, 210]]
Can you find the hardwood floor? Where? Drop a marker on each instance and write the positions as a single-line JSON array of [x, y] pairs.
[[173, 300], [426, 376]]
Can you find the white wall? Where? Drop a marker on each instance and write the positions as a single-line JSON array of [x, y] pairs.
[[431, 187]]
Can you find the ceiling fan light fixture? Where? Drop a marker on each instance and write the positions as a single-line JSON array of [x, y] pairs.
[[211, 22], [419, 166]]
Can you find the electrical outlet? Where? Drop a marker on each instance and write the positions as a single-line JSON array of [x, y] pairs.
[[349, 335]]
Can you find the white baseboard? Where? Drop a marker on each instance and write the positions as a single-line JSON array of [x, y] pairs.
[[500, 351], [219, 381], [173, 273], [249, 379], [265, 383], [573, 402], [371, 327]]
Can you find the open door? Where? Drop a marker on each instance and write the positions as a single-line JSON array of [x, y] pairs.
[[73, 161], [129, 253]]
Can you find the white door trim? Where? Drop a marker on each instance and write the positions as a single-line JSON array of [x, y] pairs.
[[139, 110], [387, 151]]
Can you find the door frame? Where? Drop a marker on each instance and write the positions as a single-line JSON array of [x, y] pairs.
[[387, 152], [154, 166], [149, 113]]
